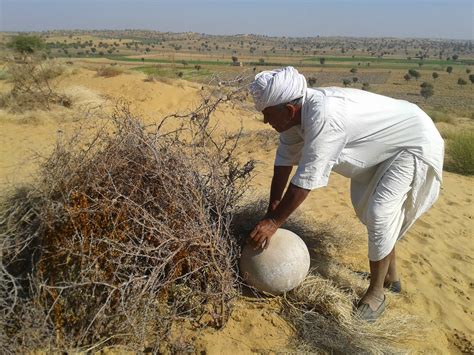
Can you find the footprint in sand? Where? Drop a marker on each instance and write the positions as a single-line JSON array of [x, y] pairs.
[[423, 224]]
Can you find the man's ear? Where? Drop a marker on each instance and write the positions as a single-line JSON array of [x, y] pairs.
[[293, 109]]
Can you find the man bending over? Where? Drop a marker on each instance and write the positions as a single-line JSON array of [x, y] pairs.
[[390, 149]]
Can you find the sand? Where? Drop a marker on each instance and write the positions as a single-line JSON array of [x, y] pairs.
[[435, 258]]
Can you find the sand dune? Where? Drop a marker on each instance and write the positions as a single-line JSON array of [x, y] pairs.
[[435, 258]]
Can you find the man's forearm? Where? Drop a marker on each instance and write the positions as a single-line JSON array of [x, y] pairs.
[[294, 196], [281, 175]]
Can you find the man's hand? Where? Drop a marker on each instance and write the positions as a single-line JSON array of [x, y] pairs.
[[263, 231]]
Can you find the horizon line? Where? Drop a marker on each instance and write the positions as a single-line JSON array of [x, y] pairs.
[[234, 35]]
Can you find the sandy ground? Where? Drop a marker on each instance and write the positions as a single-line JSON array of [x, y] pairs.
[[435, 258]]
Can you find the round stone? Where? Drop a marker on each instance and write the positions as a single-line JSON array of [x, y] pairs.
[[279, 268]]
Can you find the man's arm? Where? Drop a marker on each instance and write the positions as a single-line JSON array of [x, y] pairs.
[[279, 181], [264, 230]]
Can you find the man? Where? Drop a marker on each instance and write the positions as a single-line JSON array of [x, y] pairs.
[[389, 148]]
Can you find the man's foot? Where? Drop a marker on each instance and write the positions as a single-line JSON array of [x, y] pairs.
[[370, 307], [393, 286]]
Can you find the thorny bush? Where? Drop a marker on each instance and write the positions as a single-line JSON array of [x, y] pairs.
[[127, 230], [33, 85]]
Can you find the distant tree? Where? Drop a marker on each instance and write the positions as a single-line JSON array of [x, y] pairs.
[[407, 77], [197, 67], [435, 75], [449, 69], [468, 70], [366, 86], [143, 59], [180, 74], [420, 64], [471, 78], [346, 82], [462, 82], [93, 49], [261, 61], [322, 61], [312, 81], [234, 59], [426, 90], [185, 63], [455, 57], [414, 73], [355, 79], [353, 70], [147, 49], [26, 44]]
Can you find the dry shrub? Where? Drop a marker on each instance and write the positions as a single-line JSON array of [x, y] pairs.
[[108, 71], [33, 86], [126, 231]]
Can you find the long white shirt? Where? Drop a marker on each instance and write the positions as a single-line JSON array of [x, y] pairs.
[[359, 135], [350, 131]]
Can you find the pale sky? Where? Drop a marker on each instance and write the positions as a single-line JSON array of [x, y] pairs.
[[360, 18]]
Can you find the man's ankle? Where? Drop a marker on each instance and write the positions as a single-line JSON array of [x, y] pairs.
[[390, 279], [377, 292]]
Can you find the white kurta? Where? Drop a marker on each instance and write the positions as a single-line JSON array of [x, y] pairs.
[[359, 135]]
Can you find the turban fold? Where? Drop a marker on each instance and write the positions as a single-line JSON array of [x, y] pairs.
[[279, 86]]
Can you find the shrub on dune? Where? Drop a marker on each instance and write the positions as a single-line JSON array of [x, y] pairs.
[[460, 153], [33, 86], [108, 71], [126, 231]]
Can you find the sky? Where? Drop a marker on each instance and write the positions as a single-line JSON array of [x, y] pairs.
[[451, 19]]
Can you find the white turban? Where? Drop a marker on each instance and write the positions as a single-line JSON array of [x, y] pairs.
[[279, 86]]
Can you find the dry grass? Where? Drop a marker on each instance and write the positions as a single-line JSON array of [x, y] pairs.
[[322, 307], [460, 153], [109, 71], [87, 104], [126, 231], [439, 116], [323, 315]]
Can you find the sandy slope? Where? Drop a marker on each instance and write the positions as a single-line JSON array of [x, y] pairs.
[[435, 258]]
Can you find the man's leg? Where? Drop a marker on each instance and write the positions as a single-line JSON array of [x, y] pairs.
[[392, 274], [384, 220], [378, 272]]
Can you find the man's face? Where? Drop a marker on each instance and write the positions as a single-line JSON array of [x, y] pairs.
[[279, 117]]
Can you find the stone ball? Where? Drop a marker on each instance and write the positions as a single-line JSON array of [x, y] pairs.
[[279, 268]]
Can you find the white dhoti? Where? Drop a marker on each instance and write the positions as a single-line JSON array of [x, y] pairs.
[[390, 198]]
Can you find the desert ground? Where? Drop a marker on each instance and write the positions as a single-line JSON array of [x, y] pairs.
[[435, 258]]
